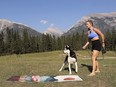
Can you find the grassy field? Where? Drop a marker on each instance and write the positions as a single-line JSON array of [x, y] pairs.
[[48, 63]]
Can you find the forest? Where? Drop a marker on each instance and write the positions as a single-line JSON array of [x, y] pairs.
[[11, 42]]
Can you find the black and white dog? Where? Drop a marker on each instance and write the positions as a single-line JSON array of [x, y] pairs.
[[70, 59]]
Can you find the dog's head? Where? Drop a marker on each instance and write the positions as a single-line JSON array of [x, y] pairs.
[[67, 49]]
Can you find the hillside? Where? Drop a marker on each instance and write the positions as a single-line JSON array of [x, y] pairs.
[[4, 24], [103, 21]]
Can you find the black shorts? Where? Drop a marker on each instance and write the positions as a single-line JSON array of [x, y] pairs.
[[96, 45]]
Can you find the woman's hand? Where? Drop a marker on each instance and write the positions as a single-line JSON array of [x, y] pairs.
[[103, 48], [103, 44], [84, 47]]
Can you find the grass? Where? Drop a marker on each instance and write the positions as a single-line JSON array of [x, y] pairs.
[[48, 63]]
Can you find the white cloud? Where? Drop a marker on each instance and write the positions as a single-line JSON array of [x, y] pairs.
[[51, 25], [43, 21]]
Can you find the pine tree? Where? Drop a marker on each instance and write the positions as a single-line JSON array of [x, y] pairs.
[[33, 44], [54, 43], [48, 42], [17, 43], [77, 41], [113, 39], [26, 42], [43, 43], [9, 41], [1, 43], [38, 42], [108, 40], [59, 43], [83, 39]]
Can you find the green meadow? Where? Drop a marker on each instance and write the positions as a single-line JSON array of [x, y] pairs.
[[49, 63]]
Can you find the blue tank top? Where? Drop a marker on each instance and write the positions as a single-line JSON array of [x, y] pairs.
[[92, 34]]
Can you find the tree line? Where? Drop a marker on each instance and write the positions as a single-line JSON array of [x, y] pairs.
[[11, 42]]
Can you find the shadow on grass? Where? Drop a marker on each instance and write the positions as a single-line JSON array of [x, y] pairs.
[[67, 68], [88, 66]]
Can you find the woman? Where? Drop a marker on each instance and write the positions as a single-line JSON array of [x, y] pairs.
[[93, 36]]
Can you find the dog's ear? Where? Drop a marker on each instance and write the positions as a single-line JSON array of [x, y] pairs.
[[67, 46]]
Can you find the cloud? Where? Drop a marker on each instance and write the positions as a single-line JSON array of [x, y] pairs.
[[43, 21], [51, 25]]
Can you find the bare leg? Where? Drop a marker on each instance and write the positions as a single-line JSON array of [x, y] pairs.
[[97, 67], [94, 63]]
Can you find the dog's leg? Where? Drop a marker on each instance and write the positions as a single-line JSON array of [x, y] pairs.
[[61, 67], [69, 66], [65, 62], [76, 67]]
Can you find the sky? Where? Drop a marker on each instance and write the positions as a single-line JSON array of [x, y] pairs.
[[58, 14]]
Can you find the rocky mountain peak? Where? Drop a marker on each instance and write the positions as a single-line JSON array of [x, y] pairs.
[[4, 24], [104, 21]]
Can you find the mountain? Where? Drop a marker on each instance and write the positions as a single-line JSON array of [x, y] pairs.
[[53, 31], [103, 21], [4, 24]]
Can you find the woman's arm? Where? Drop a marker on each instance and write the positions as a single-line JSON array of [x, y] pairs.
[[101, 35], [84, 47]]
